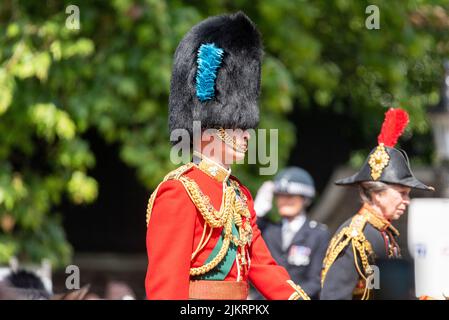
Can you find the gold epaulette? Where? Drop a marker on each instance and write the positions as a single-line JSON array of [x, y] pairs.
[[172, 175], [352, 234]]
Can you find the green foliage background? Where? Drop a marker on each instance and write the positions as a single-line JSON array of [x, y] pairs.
[[112, 76]]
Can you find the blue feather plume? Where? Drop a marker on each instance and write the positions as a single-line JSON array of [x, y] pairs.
[[209, 60]]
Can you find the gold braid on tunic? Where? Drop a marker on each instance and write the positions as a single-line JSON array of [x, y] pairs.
[[353, 235], [232, 210]]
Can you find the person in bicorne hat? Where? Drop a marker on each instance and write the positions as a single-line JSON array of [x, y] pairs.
[[384, 182], [202, 238]]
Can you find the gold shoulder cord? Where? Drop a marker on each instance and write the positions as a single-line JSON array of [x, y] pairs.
[[351, 234], [175, 174]]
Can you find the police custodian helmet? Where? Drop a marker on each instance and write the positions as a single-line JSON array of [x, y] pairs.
[[294, 181]]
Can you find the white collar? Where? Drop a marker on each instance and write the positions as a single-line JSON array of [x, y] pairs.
[[296, 223]]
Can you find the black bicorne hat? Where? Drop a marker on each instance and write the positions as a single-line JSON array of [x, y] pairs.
[[385, 163], [216, 75]]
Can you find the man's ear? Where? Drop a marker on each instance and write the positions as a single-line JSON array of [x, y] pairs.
[[208, 135]]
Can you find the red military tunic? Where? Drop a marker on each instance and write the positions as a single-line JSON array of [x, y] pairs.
[[175, 229]]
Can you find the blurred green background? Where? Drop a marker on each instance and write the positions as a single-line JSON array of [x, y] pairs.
[[112, 76]]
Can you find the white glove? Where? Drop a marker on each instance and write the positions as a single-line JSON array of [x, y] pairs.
[[264, 199]]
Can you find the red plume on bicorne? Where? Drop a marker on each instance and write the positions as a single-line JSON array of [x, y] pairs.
[[394, 125]]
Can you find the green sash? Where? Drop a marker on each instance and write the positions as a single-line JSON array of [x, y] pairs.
[[224, 267]]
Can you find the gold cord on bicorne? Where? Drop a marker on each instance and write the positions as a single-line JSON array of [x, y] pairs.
[[360, 245], [231, 211]]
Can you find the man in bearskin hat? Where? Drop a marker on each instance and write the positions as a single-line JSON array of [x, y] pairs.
[[202, 237], [384, 183]]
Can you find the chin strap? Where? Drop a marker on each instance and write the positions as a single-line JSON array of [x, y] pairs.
[[230, 141]]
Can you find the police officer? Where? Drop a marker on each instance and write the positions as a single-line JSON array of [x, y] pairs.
[[296, 242], [362, 242]]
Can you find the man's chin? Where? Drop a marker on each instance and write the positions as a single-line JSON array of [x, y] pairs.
[[398, 215], [238, 156]]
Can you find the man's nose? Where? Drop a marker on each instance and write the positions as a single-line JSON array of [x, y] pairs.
[[406, 200]]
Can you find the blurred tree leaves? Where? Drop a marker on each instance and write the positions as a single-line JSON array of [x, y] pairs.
[[113, 76]]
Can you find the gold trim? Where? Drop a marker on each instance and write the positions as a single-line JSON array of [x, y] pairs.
[[378, 160], [352, 234], [299, 292], [377, 221], [230, 141], [212, 168], [175, 174], [232, 210]]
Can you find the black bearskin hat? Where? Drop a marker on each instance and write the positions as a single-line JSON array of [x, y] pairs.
[[216, 75]]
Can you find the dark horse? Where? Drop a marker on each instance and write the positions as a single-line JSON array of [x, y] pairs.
[[25, 285]]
